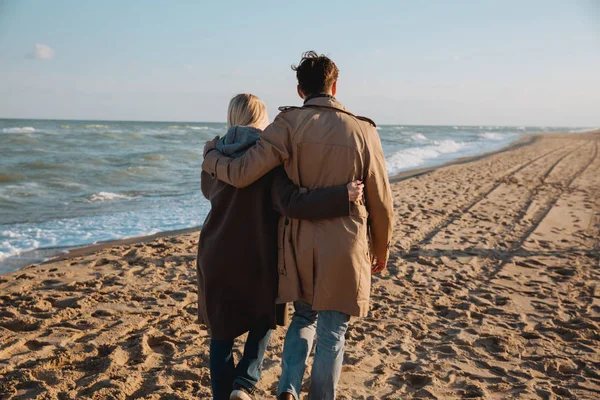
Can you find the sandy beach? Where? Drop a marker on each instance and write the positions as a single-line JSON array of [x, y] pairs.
[[492, 292]]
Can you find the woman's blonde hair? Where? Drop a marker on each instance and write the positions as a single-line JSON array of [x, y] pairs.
[[247, 110]]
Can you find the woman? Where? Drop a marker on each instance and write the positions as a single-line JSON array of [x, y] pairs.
[[237, 252]]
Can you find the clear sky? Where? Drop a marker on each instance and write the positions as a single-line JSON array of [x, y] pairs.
[[504, 62]]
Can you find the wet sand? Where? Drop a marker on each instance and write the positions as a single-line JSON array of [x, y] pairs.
[[492, 292]]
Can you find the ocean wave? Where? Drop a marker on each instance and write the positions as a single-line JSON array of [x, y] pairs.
[[192, 127], [8, 250], [22, 189], [95, 126], [19, 129], [490, 136], [108, 196], [164, 132], [416, 156], [419, 137], [63, 184], [161, 215], [583, 130], [15, 242]]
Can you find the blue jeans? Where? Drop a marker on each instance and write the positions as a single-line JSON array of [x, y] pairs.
[[330, 327], [224, 374]]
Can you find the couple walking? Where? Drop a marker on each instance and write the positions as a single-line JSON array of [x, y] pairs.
[[286, 226]]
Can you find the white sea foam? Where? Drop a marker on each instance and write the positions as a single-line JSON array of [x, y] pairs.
[[419, 137], [108, 196], [15, 242], [159, 215], [490, 136], [416, 156], [21, 129], [8, 250]]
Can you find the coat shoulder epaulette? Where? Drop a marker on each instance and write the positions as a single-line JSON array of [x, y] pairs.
[[369, 120], [288, 108]]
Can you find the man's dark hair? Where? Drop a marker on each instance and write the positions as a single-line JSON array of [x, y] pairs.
[[316, 73]]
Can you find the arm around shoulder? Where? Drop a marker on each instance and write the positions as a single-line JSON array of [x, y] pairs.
[[271, 150]]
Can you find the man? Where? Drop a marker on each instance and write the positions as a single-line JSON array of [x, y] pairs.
[[324, 266]]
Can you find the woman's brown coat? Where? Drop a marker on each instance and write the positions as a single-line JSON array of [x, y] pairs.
[[237, 252]]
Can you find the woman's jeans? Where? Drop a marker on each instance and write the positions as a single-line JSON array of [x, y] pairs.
[[330, 327], [224, 374]]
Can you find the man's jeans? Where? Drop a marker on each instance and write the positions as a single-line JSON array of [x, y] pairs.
[[247, 373], [330, 327]]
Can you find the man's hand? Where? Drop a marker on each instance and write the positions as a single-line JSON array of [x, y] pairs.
[[378, 266], [210, 145], [355, 191]]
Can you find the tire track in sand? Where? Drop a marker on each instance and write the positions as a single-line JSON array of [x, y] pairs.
[[456, 215]]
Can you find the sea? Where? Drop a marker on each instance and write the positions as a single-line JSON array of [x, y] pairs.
[[65, 184]]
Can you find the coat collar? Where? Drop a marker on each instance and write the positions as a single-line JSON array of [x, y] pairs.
[[328, 101]]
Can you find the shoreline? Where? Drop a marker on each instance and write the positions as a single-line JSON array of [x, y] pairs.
[[64, 253], [32, 257], [525, 140], [28, 258]]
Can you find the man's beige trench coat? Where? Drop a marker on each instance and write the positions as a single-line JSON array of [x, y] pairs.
[[327, 262]]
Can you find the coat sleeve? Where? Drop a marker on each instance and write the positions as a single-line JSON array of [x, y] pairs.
[[378, 197], [291, 201], [206, 182], [271, 150]]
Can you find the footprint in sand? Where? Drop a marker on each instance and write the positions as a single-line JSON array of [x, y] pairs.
[[35, 345], [161, 345], [417, 380], [21, 325]]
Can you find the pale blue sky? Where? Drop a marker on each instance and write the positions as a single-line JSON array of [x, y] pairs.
[[504, 62]]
